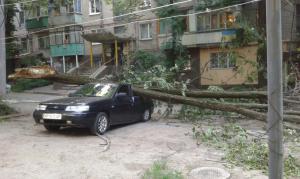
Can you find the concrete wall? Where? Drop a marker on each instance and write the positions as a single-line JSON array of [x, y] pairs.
[[229, 76]]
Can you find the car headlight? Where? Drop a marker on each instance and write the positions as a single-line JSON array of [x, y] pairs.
[[77, 108], [41, 107]]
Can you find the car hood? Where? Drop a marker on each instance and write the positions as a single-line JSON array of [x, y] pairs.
[[75, 100]]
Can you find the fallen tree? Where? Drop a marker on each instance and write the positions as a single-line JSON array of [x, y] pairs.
[[210, 94], [175, 96], [209, 105]]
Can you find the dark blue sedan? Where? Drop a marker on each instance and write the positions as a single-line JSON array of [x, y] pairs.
[[95, 106]]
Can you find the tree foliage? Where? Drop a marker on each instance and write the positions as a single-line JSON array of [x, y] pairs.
[[11, 45], [204, 4], [176, 53]]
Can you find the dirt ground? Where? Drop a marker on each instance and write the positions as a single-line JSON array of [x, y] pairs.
[[29, 151]]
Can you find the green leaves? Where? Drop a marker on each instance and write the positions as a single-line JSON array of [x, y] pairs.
[[5, 109], [241, 149], [160, 170]]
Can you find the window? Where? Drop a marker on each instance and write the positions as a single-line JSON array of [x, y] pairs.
[[77, 6], [24, 46], [145, 4], [220, 20], [37, 11], [58, 39], [203, 22], [21, 18], [164, 27], [124, 89], [145, 31], [74, 7], [120, 29], [67, 35], [94, 7], [221, 60], [43, 42]]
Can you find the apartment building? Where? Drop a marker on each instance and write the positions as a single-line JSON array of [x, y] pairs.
[[88, 39], [54, 30]]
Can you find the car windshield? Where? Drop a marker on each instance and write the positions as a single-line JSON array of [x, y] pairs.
[[96, 90]]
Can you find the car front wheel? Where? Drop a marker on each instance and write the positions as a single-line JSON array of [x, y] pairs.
[[52, 128], [146, 115], [101, 124]]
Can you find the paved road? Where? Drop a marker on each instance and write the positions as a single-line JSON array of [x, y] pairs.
[[29, 151]]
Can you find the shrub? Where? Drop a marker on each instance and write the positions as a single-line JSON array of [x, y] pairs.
[[160, 170], [5, 109], [145, 60], [27, 84]]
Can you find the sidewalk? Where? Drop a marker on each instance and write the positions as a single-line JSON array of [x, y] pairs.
[[49, 90]]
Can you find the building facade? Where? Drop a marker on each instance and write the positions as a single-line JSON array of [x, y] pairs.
[[89, 32]]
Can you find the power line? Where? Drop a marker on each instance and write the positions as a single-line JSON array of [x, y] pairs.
[[156, 19], [97, 20]]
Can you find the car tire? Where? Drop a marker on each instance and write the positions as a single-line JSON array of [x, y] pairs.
[[52, 128], [101, 124], [146, 116]]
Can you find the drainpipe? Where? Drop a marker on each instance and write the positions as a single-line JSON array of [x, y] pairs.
[[51, 61], [116, 54], [91, 55], [64, 64], [77, 63]]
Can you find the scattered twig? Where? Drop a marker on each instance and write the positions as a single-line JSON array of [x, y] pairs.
[[13, 116], [106, 144]]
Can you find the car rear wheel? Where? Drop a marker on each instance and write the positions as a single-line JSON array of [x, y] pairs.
[[101, 124], [52, 128], [146, 115]]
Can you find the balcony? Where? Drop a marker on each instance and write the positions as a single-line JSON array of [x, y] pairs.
[[66, 50], [64, 19], [37, 23], [210, 37], [185, 5]]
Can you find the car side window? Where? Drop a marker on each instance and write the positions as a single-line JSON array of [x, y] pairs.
[[123, 90]]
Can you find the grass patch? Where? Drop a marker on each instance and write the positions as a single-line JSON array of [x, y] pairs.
[[28, 84], [160, 170], [241, 149], [5, 109]]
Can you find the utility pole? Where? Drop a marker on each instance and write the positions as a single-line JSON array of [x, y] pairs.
[[2, 50], [275, 109]]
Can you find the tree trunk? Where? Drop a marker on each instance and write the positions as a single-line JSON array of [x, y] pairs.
[[210, 94], [208, 105]]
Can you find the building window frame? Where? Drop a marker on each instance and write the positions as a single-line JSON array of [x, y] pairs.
[[24, 46], [119, 29], [148, 29], [221, 60], [93, 7], [146, 4], [44, 43], [215, 21]]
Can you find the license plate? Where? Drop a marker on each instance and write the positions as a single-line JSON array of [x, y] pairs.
[[52, 116]]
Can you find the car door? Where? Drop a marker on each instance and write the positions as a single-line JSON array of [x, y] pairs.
[[122, 106]]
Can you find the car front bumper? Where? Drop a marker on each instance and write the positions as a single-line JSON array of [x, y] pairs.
[[85, 119]]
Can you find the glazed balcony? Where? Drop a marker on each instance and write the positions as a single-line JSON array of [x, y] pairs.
[[37, 23], [67, 49], [64, 19]]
